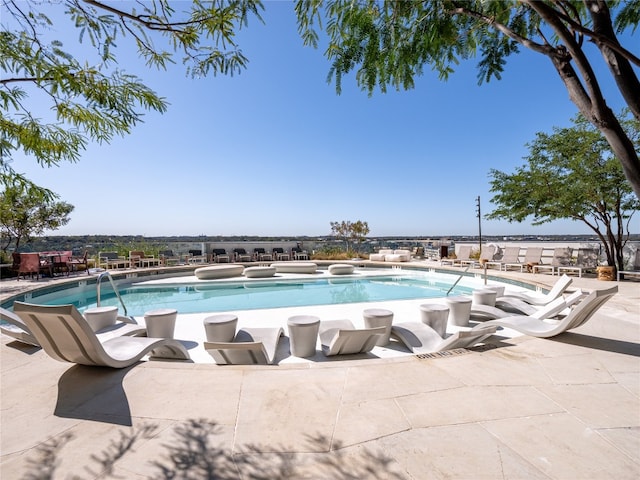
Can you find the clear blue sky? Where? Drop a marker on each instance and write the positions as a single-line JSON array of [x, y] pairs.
[[275, 151]]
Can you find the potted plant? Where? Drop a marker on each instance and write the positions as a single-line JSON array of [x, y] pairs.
[[606, 272]]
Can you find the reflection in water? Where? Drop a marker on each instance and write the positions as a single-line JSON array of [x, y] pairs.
[[351, 292]]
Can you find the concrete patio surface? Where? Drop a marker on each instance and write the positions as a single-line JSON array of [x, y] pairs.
[[521, 408]]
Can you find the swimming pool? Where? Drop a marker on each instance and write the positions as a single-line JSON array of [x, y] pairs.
[[196, 297]]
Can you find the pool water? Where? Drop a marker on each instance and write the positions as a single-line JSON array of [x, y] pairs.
[[196, 298]]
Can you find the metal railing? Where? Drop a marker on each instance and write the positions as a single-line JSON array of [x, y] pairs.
[[459, 278], [113, 285]]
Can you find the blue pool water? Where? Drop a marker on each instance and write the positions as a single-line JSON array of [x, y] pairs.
[[196, 298]]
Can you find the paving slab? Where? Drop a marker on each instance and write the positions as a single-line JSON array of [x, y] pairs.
[[564, 447]]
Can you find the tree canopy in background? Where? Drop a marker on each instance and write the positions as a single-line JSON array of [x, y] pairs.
[[389, 43], [90, 99], [24, 213], [350, 231], [571, 173]]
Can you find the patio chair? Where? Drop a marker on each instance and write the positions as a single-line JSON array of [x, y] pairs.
[[140, 259], [196, 256], [340, 337], [299, 254], [55, 262], [486, 254], [561, 257], [552, 309], [75, 262], [462, 256], [532, 257], [279, 254], [420, 338], [578, 316], [587, 259], [66, 336], [510, 255], [220, 255], [537, 299], [260, 255], [250, 346], [29, 264], [241, 255], [167, 257], [109, 260]]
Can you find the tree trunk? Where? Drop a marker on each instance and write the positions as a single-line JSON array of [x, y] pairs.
[[620, 144], [584, 89]]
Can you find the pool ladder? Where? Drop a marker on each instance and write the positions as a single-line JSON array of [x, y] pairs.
[[113, 285], [459, 278], [462, 274]]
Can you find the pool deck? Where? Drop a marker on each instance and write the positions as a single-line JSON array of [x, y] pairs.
[[561, 408]]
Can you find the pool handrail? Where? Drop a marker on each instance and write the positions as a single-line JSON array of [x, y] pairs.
[[113, 285], [459, 278]]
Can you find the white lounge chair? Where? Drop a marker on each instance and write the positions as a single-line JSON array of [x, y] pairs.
[[16, 328], [462, 256], [552, 309], [486, 254], [537, 299], [421, 338], [532, 256], [561, 258], [535, 327], [635, 268], [65, 335], [587, 259], [510, 255], [250, 346], [340, 337]]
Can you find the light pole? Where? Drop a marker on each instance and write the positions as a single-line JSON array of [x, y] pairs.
[[478, 214]]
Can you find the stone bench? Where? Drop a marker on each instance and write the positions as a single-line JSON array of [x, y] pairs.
[[295, 267], [259, 272], [219, 271]]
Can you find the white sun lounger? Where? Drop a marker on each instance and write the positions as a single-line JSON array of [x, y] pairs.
[[535, 327], [16, 328], [65, 335], [340, 337], [421, 338], [532, 256], [250, 346], [462, 256], [538, 299], [550, 310], [510, 256]]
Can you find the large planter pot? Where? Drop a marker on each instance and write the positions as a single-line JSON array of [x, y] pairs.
[[606, 273]]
